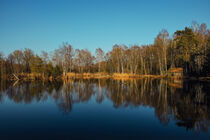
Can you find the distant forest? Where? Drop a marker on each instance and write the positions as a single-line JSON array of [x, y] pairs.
[[188, 48]]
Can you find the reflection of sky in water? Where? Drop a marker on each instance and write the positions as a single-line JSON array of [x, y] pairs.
[[88, 118]]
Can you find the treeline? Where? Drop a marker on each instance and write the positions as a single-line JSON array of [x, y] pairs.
[[188, 48]]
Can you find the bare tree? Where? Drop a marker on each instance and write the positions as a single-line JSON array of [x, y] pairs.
[[27, 55], [18, 57], [99, 57], [67, 53], [161, 42], [45, 59], [83, 60]]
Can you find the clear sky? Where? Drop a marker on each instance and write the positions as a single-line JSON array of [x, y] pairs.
[[45, 24]]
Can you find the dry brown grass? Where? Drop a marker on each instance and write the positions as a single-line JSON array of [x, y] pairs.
[[26, 76], [86, 75], [105, 75], [127, 75], [176, 70], [205, 78], [72, 75]]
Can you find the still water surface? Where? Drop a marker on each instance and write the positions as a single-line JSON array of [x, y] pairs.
[[105, 109]]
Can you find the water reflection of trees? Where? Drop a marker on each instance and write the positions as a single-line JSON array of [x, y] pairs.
[[191, 107], [74, 92], [188, 106]]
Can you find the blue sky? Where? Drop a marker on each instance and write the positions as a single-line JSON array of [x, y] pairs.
[[45, 24]]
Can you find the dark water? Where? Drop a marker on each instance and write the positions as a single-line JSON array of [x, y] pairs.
[[105, 109]]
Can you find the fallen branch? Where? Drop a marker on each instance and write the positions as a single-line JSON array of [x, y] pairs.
[[16, 76]]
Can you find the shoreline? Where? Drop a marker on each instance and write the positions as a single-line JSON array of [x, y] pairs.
[[70, 76]]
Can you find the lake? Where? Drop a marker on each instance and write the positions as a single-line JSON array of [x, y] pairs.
[[105, 109]]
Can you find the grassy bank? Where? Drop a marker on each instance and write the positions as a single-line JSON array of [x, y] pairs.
[[105, 75], [38, 76]]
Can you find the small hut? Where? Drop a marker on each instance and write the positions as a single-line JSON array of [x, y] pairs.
[[176, 72]]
